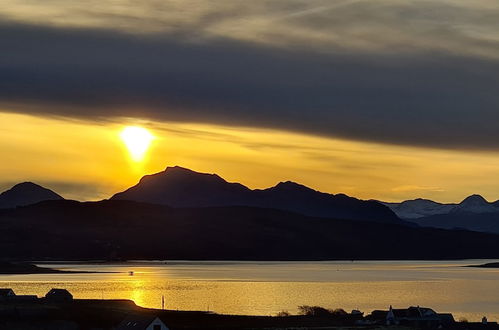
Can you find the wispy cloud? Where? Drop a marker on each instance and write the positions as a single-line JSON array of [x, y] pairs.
[[416, 188]]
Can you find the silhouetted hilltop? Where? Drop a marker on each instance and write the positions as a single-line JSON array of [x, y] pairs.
[[180, 187], [26, 193], [116, 229]]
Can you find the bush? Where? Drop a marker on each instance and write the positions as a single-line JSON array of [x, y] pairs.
[[338, 312], [283, 314], [320, 311]]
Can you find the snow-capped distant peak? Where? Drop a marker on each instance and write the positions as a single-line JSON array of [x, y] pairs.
[[418, 208]]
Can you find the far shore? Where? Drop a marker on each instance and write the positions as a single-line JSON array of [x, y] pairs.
[[488, 265], [24, 268], [225, 261], [30, 267]]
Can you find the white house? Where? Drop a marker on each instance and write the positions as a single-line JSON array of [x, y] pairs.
[[142, 322]]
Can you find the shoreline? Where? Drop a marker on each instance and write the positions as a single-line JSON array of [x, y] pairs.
[[487, 265], [249, 261], [31, 268], [28, 268]]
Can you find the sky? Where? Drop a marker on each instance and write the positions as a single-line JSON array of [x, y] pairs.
[[386, 99]]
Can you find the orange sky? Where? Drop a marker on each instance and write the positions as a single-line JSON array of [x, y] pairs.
[[88, 160], [385, 99]]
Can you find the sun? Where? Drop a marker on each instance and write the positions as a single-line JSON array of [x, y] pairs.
[[137, 140]]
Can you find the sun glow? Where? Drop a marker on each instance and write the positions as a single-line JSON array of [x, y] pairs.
[[137, 141]]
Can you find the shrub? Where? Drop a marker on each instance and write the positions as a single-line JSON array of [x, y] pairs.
[[313, 311], [338, 312], [283, 314]]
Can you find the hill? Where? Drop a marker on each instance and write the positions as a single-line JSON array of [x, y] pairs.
[[69, 230], [483, 222], [26, 193], [180, 187]]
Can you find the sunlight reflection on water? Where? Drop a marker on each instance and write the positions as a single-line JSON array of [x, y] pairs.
[[265, 288]]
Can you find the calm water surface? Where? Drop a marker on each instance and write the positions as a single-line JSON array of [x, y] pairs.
[[263, 288]]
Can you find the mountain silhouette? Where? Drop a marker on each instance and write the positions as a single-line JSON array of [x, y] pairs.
[[116, 229], [181, 187], [26, 193]]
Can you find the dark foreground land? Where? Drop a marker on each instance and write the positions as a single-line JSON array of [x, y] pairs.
[[107, 314]]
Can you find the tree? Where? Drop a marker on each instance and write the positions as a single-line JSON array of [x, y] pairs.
[[313, 311], [283, 314]]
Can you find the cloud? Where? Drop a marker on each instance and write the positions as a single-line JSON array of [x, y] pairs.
[[411, 188], [384, 25], [417, 73]]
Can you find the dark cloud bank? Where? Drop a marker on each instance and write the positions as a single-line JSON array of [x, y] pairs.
[[426, 99]]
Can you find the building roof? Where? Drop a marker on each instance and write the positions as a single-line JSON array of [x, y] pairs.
[[137, 322], [59, 292], [6, 292], [411, 313], [414, 312]]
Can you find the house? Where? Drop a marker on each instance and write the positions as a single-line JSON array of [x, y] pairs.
[[25, 298], [414, 316], [390, 317], [6, 294], [59, 296], [142, 322], [11, 296]]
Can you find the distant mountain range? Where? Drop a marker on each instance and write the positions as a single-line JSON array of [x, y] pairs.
[[181, 187], [116, 229], [473, 213], [180, 213], [418, 208], [26, 193]]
